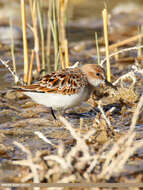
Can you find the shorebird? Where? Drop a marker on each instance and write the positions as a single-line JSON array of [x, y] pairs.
[[66, 88]]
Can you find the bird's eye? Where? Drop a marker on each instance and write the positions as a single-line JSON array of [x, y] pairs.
[[97, 74]]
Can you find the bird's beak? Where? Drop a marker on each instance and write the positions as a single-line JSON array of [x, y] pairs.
[[110, 84]]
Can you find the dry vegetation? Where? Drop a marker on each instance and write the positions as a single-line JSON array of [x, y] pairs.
[[88, 160], [99, 154]]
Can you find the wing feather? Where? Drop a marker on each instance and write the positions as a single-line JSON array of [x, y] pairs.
[[67, 81]]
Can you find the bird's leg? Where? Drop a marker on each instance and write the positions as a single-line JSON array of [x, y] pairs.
[[52, 112]]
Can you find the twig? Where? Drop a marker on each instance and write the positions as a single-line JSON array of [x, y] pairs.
[[136, 114], [104, 115], [130, 74], [15, 76], [29, 162], [119, 44], [41, 136], [76, 64], [120, 51]]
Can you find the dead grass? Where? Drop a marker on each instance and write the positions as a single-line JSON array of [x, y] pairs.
[[99, 154], [82, 163]]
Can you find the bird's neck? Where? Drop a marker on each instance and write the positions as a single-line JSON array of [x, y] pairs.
[[90, 89]]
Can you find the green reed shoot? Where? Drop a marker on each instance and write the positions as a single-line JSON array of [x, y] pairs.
[[49, 35], [42, 38], [97, 48], [54, 30], [12, 50], [140, 31]]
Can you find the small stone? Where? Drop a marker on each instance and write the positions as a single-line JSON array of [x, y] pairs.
[[3, 149]]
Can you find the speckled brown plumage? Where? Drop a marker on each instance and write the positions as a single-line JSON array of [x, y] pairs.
[[66, 82], [66, 88]]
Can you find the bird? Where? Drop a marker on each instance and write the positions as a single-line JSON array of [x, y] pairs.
[[66, 88]]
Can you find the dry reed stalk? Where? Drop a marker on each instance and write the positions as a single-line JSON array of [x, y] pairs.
[[62, 58], [62, 21], [33, 5], [105, 25], [66, 53], [49, 34], [123, 42], [42, 37], [62, 33], [58, 12], [30, 67], [25, 44], [12, 51]]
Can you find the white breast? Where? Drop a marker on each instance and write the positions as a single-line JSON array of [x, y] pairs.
[[58, 100]]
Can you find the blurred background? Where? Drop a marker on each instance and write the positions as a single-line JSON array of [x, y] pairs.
[[77, 9], [82, 19], [85, 14], [58, 34]]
